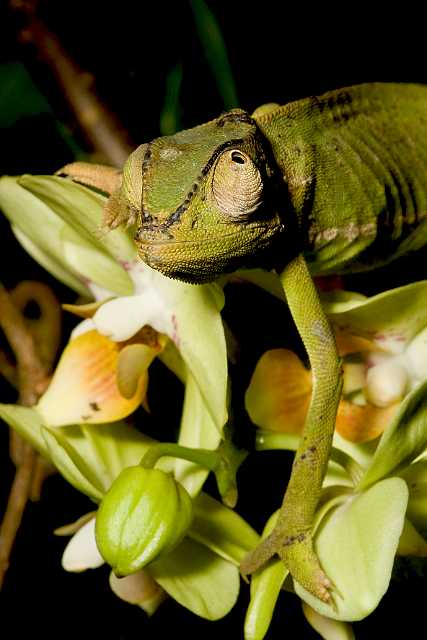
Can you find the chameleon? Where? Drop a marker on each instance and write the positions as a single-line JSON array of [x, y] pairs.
[[329, 184]]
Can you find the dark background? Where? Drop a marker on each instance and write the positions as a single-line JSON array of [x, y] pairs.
[[277, 53]]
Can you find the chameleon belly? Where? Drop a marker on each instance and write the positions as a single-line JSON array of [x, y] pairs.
[[355, 163]]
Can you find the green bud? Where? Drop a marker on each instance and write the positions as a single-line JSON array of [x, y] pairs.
[[144, 515]]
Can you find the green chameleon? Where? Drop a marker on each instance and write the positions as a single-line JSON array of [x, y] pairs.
[[329, 184]]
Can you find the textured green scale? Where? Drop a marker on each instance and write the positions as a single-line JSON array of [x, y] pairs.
[[355, 162]]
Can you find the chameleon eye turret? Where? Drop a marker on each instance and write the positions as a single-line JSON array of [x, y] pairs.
[[237, 184]]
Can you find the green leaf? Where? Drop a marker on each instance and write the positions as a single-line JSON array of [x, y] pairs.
[[28, 423], [82, 210], [198, 579], [356, 544], [222, 529], [19, 97], [170, 117], [197, 431], [403, 441], [215, 51]]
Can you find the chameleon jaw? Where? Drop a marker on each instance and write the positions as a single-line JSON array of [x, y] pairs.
[[205, 259]]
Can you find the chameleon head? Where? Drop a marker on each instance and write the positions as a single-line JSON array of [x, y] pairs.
[[205, 199]]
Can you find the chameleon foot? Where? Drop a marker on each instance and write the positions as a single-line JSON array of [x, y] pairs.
[[298, 555]]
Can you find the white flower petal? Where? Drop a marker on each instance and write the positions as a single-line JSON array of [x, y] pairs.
[[82, 327], [138, 588], [98, 292], [121, 318], [81, 552]]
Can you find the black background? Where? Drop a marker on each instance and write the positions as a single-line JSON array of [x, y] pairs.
[[278, 52]]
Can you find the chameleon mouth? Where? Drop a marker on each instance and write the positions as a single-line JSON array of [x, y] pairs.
[[148, 241], [200, 259]]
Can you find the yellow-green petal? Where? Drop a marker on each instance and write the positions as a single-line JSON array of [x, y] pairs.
[[327, 628], [198, 579], [356, 543]]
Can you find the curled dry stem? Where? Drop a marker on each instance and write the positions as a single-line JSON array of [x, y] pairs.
[[34, 343]]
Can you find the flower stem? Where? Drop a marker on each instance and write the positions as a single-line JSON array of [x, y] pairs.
[[203, 457]]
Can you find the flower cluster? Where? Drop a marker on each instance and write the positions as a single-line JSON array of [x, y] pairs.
[[160, 533]]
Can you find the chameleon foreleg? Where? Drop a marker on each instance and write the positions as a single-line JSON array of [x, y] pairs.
[[107, 179], [104, 178], [291, 538]]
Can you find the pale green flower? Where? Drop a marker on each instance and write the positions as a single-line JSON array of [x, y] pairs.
[[60, 224]]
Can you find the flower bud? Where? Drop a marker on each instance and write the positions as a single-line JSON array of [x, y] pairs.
[[144, 515], [386, 383]]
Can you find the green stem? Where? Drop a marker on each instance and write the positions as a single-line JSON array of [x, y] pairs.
[[204, 457]]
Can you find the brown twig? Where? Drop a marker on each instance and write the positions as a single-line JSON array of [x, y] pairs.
[[18, 497], [101, 127], [32, 374], [8, 370]]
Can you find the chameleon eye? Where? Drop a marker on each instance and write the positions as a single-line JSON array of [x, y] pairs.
[[237, 184]]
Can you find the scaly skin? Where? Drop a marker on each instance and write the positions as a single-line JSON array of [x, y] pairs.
[[291, 538], [323, 185]]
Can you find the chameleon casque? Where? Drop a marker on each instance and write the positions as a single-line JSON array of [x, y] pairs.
[[329, 184]]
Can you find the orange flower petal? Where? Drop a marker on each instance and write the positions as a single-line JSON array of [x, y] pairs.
[[363, 423], [279, 392], [348, 343], [84, 387]]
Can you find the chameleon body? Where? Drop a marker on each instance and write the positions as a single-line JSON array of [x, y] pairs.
[[329, 184]]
